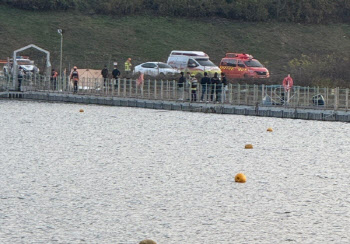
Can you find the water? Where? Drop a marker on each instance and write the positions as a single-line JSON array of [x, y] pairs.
[[121, 175]]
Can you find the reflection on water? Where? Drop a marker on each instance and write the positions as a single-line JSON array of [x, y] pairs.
[[120, 175]]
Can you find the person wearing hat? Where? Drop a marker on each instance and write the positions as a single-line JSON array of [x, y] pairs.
[[75, 77], [128, 68], [193, 84], [116, 74]]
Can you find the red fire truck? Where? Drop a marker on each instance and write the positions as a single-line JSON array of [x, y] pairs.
[[242, 65]]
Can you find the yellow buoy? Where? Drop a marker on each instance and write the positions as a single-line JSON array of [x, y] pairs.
[[269, 129], [147, 241], [81, 110], [240, 178], [248, 146]]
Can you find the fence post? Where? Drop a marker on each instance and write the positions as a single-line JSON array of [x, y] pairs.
[[155, 89], [347, 99], [239, 94], [262, 91], [246, 94], [124, 88], [255, 94], [161, 89], [174, 90], [130, 87], [230, 92], [118, 81], [336, 98]]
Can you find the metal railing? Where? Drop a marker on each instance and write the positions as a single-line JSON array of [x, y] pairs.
[[236, 94]]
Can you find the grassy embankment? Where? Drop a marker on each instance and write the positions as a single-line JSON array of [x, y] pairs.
[[91, 41]]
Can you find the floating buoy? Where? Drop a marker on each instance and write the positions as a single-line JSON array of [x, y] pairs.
[[240, 178], [248, 146], [147, 241], [269, 129], [81, 110]]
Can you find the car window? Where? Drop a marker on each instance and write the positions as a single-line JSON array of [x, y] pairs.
[[192, 63], [253, 63], [241, 64], [164, 66], [232, 62], [148, 65], [205, 62]]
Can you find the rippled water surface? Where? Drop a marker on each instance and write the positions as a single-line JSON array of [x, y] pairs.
[[121, 175]]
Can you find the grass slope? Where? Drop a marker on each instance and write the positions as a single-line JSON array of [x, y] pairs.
[[91, 41]]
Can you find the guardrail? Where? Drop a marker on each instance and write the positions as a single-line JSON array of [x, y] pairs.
[[235, 94]]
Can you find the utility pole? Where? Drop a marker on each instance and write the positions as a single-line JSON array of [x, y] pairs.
[[60, 32]]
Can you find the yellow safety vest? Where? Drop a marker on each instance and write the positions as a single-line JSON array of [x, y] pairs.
[[127, 66]]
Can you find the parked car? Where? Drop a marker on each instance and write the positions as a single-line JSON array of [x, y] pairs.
[[26, 64], [154, 69], [242, 65], [195, 62]]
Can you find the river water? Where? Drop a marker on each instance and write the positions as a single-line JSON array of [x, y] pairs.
[[121, 175]]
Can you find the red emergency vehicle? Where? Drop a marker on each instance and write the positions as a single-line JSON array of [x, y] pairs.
[[242, 65]]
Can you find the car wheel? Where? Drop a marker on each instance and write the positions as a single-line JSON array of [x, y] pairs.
[[162, 76]]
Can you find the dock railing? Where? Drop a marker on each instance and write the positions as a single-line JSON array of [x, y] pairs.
[[235, 94]]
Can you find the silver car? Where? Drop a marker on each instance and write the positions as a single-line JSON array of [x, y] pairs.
[[155, 69]]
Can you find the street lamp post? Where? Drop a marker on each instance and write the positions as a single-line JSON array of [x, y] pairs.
[[60, 32]]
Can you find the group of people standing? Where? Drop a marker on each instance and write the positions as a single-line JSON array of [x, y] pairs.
[[74, 76], [213, 89], [116, 73]]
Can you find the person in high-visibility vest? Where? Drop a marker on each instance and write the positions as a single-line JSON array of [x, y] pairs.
[[128, 68]]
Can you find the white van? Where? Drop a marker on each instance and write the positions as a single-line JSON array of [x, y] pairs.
[[195, 62]]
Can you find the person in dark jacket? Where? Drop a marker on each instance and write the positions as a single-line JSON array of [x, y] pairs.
[[181, 83], [224, 86], [74, 76], [104, 73], [116, 74], [20, 77], [215, 87], [53, 78], [205, 82]]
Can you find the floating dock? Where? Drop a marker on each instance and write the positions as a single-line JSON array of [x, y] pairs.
[[258, 110]]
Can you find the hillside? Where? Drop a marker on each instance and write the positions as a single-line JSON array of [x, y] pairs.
[[90, 41]]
